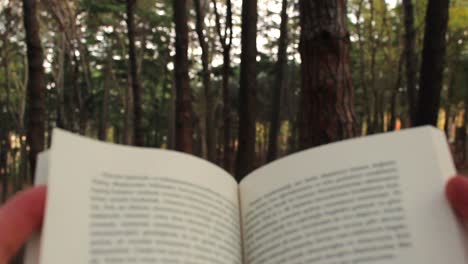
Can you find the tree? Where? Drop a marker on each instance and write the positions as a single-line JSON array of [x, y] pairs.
[[410, 58], [206, 77], [281, 67], [104, 115], [226, 43], [433, 58], [35, 86], [326, 108], [362, 65], [247, 94], [184, 139], [136, 86]]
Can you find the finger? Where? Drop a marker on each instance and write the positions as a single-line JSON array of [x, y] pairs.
[[457, 194], [19, 218]]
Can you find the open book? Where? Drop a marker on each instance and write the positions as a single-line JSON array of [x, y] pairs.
[[378, 199]]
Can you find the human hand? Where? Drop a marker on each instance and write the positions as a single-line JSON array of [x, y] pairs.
[[19, 218], [457, 194]]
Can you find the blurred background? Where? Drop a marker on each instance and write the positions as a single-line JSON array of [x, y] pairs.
[[238, 83]]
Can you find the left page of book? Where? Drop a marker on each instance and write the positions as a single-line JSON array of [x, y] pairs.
[[116, 204]]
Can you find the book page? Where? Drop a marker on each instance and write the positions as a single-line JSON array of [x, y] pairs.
[[378, 199], [115, 204]]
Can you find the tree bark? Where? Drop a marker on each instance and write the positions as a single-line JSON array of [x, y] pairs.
[[206, 76], [103, 122], [327, 110], [367, 98], [245, 162], [6, 62], [171, 128], [281, 67], [394, 97], [410, 58], [433, 60], [60, 83], [453, 69], [4, 147], [374, 125], [128, 115], [465, 117], [184, 134], [36, 88], [138, 138], [226, 43]]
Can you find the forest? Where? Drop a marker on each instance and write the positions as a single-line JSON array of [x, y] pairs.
[[239, 83]]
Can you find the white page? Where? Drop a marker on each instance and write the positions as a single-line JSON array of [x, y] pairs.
[[79, 168], [31, 253], [334, 219]]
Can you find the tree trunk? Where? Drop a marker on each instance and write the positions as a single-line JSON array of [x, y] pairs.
[[128, 115], [394, 98], [103, 123], [465, 118], [4, 147], [206, 73], [327, 110], [60, 84], [281, 67], [247, 95], [36, 88], [374, 124], [453, 69], [410, 57], [6, 63], [228, 149], [172, 118], [184, 135], [433, 60], [138, 138], [362, 70], [226, 43], [82, 98]]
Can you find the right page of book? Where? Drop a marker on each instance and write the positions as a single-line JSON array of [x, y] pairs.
[[378, 199]]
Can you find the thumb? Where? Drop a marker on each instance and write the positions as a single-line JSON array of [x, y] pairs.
[[19, 217], [457, 194]]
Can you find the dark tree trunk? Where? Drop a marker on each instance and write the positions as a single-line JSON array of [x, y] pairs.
[[433, 60], [327, 112], [394, 98], [228, 150], [103, 123], [171, 128], [6, 63], [410, 57], [128, 115], [226, 43], [62, 121], [138, 138], [184, 137], [367, 98], [209, 122], [245, 162], [165, 101], [465, 118], [35, 86], [4, 147], [281, 67], [453, 69], [374, 125]]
